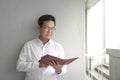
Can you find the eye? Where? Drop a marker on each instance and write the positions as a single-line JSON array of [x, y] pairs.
[[48, 28], [53, 28]]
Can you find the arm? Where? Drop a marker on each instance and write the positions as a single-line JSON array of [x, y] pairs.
[[59, 69], [25, 65], [56, 66], [62, 55]]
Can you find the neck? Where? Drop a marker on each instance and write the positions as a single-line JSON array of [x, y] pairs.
[[44, 41]]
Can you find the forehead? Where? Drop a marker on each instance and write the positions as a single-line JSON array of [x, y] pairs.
[[49, 23]]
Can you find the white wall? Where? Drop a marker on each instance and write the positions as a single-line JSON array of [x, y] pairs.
[[18, 24]]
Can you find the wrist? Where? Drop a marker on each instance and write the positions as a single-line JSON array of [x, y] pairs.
[[58, 72]]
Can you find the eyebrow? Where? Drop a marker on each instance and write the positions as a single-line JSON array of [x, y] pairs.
[[47, 26]]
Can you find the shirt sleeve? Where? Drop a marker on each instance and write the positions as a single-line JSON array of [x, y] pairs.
[[61, 55], [23, 64]]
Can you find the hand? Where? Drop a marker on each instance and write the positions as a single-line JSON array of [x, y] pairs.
[[41, 65], [56, 66]]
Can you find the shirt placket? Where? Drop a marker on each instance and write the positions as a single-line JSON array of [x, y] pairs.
[[43, 54], [44, 50]]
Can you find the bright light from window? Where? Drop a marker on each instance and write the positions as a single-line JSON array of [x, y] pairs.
[[95, 28], [112, 23]]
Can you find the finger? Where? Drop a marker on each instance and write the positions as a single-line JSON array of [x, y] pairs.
[[54, 63], [50, 63], [57, 63]]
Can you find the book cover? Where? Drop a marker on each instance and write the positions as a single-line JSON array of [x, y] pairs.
[[48, 58]]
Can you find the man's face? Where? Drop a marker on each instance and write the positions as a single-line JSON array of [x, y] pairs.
[[47, 29]]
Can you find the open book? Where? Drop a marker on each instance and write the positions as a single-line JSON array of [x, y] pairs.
[[48, 58]]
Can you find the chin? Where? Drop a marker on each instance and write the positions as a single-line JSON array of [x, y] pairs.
[[48, 37]]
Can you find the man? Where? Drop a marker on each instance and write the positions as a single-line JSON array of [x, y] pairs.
[[33, 50]]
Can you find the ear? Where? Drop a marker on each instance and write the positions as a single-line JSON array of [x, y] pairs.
[[39, 28]]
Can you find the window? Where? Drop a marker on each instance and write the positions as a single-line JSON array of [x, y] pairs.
[[95, 29], [112, 23]]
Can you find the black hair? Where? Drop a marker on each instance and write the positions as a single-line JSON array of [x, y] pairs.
[[46, 18]]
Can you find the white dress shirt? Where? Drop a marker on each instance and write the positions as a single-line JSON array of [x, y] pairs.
[[32, 52]]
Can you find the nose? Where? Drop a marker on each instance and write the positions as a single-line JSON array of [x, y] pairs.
[[49, 31]]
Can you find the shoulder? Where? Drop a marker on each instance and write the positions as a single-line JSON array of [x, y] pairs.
[[30, 42]]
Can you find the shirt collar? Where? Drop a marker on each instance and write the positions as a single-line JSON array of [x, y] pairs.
[[40, 42]]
